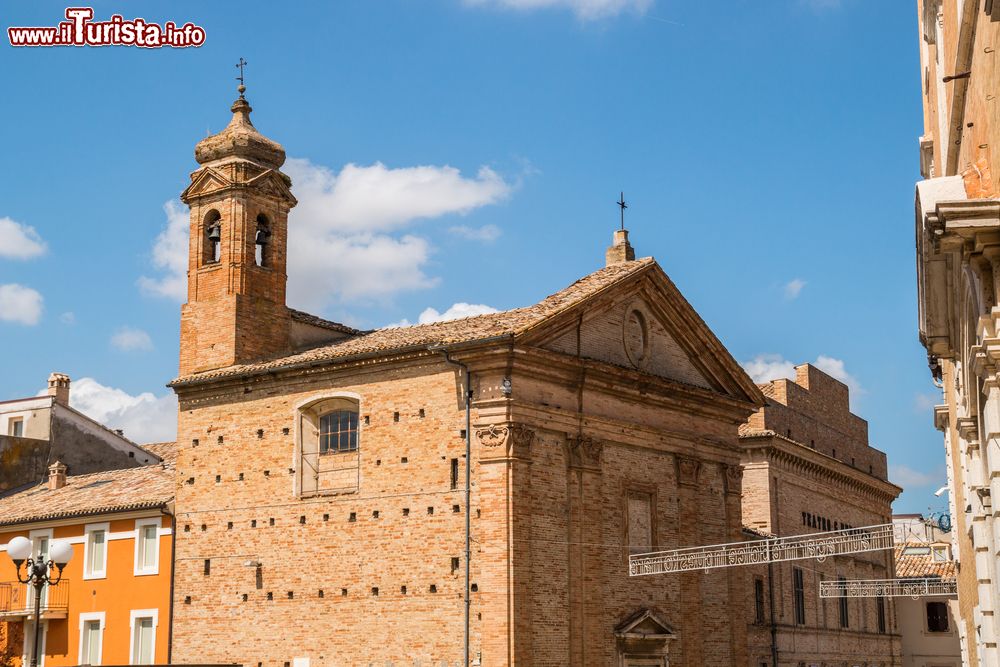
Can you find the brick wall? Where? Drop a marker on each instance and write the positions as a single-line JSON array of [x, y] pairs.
[[794, 488], [549, 559]]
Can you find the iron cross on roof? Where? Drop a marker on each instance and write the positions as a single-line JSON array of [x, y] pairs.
[[622, 205], [240, 65]]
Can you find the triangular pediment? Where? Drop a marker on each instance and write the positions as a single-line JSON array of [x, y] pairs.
[[273, 184], [643, 323], [644, 623], [205, 182]]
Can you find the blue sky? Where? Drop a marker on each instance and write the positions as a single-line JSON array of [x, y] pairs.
[[768, 151]]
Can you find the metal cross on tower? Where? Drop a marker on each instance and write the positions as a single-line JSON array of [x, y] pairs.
[[622, 205], [240, 65]]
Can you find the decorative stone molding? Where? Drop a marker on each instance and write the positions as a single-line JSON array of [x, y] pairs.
[[968, 429], [688, 470], [941, 417], [505, 440], [733, 478], [584, 451]]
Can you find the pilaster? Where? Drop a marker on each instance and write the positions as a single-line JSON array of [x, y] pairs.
[[585, 516], [505, 535]]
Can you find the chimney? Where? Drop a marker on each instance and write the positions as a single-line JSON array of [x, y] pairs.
[[59, 387], [57, 476], [621, 250]]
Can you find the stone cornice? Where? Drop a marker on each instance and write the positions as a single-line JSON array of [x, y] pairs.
[[804, 459], [630, 383]]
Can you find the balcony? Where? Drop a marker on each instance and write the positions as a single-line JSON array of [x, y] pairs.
[[17, 601]]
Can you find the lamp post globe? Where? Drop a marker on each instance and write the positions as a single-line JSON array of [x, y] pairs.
[[61, 552], [19, 549]]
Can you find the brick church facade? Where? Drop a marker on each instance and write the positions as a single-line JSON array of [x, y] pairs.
[[320, 492]]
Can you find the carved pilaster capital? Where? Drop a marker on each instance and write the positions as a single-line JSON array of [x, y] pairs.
[[584, 452], [505, 441], [687, 470], [733, 478]]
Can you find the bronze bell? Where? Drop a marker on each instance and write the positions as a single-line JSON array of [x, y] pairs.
[[214, 232]]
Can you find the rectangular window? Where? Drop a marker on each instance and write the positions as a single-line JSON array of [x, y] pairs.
[[844, 619], [937, 617], [143, 650], [758, 601], [91, 638], [15, 427], [454, 473], [338, 431], [95, 551], [798, 588], [880, 610], [147, 546]]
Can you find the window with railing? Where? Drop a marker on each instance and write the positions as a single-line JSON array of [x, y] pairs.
[[329, 438]]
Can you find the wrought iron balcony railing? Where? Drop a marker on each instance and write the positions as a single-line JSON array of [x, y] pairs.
[[17, 600]]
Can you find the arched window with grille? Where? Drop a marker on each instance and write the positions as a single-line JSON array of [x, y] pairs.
[[328, 444]]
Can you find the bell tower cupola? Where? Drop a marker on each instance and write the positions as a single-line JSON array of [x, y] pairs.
[[239, 200]]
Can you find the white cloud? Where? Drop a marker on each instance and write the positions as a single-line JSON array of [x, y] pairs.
[[377, 198], [20, 304], [143, 418], [455, 312], [340, 247], [344, 236], [766, 367], [170, 255], [908, 478], [129, 339], [486, 233], [18, 241], [68, 318], [587, 10], [793, 288]]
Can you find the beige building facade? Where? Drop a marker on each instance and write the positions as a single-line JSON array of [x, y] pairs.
[[321, 470], [928, 625], [808, 468], [958, 274], [37, 431]]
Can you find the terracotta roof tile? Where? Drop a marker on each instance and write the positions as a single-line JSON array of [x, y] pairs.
[[306, 318], [469, 329], [97, 493], [163, 450], [916, 565]]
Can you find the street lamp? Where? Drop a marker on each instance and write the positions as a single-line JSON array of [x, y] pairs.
[[36, 573]]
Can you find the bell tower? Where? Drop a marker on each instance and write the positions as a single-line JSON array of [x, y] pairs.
[[239, 200]]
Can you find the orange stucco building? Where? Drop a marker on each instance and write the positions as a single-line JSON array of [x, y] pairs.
[[112, 605]]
